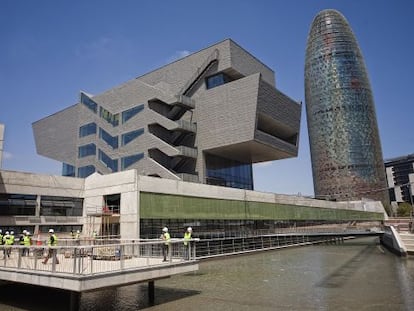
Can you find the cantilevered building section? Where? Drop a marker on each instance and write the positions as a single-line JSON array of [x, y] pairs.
[[204, 118], [344, 141]]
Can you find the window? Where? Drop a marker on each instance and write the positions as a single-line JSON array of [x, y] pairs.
[[111, 164], [88, 102], [109, 117], [217, 80], [60, 206], [127, 137], [68, 170], [228, 173], [128, 114], [128, 161], [110, 140], [86, 150], [85, 171], [87, 129], [17, 204]]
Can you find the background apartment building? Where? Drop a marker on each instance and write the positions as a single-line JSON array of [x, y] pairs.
[[400, 178], [204, 118]]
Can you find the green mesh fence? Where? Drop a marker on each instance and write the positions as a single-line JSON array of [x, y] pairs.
[[166, 206]]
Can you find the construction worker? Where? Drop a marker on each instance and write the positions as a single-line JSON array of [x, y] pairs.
[[187, 238], [21, 241], [27, 241], [165, 247], [2, 242], [77, 237], [51, 242], [12, 237], [8, 242]]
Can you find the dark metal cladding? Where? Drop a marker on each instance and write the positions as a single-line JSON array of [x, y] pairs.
[[346, 154]]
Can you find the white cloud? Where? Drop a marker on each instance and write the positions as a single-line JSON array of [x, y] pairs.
[[178, 55], [7, 155]]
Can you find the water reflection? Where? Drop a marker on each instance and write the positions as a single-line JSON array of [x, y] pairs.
[[356, 275]]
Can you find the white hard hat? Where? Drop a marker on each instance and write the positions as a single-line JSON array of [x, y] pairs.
[[165, 229], [7, 232], [12, 232], [51, 231], [189, 229], [27, 232], [77, 231]]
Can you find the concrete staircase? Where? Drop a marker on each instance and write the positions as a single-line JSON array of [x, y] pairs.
[[402, 225], [408, 240]]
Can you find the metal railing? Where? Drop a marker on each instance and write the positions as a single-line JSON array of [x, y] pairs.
[[238, 245], [99, 257]]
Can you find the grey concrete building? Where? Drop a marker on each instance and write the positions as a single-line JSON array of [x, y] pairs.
[[205, 118], [129, 205]]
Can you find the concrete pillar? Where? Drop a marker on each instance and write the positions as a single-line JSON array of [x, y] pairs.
[[151, 292], [74, 301]]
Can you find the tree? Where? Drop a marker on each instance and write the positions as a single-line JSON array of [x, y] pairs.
[[404, 209]]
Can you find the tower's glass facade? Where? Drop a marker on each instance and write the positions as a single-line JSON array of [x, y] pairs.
[[345, 146]]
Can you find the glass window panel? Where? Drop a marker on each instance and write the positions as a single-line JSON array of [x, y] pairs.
[[88, 103], [17, 204], [109, 117], [217, 80], [228, 173], [85, 171], [128, 161], [128, 114], [110, 163], [68, 170], [87, 129], [128, 137], [110, 140], [86, 150]]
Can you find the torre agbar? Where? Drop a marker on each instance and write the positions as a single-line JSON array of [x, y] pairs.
[[344, 141], [205, 118]]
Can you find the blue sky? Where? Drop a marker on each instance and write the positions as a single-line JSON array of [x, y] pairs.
[[53, 49]]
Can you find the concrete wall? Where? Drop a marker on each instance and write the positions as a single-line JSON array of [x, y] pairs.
[[124, 183]]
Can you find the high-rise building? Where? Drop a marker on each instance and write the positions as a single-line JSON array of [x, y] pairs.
[[346, 154], [204, 118], [400, 178], [1, 143]]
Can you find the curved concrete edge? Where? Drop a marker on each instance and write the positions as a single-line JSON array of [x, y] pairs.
[[98, 281], [392, 241]]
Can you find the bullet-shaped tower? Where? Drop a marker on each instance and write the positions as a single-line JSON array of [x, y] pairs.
[[346, 154]]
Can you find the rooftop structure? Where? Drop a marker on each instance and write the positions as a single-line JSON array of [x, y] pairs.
[[345, 145], [204, 118]]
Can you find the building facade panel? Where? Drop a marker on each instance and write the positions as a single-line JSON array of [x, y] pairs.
[[56, 135]]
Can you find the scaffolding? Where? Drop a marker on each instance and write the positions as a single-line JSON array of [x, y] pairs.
[[104, 222]]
